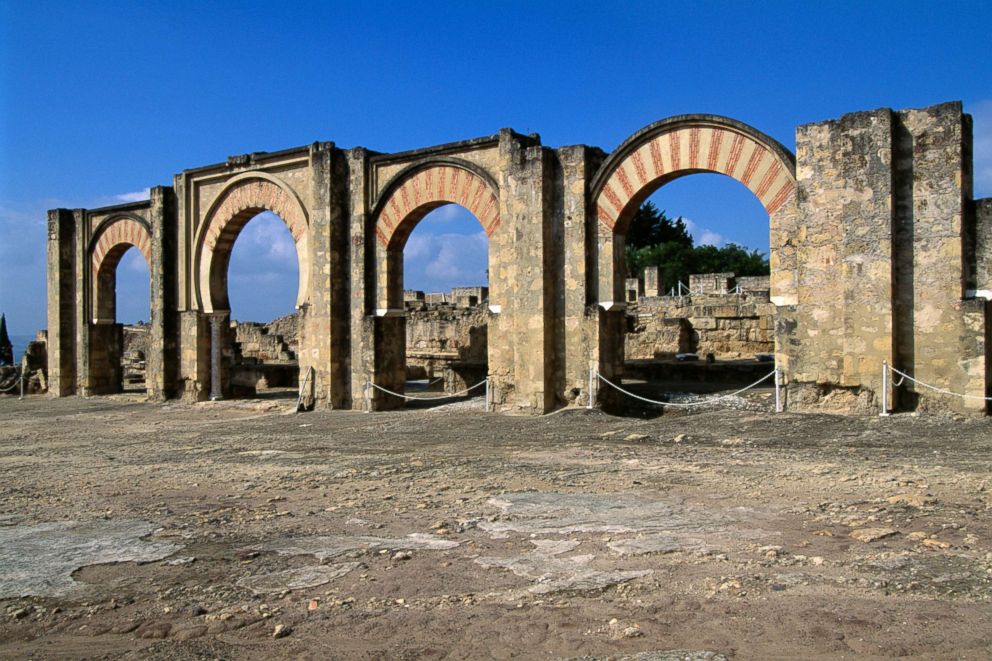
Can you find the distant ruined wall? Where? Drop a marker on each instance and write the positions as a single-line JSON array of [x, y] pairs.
[[439, 334], [727, 326], [258, 342]]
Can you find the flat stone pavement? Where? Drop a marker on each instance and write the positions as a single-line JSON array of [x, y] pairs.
[[236, 530]]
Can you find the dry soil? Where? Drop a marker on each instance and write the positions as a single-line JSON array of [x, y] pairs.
[[234, 530]]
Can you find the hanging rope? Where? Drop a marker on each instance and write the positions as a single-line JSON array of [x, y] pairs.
[[934, 388], [689, 404], [430, 399], [13, 384]]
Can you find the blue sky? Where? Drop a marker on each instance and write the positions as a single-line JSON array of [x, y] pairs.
[[99, 100]]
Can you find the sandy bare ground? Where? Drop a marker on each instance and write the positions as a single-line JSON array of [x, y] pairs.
[[233, 530]]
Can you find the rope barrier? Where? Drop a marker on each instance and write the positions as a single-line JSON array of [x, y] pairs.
[[13, 384], [690, 404], [935, 388], [430, 399]]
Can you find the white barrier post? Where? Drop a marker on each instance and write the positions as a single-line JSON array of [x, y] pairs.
[[778, 392], [885, 390], [368, 398], [487, 394], [22, 386]]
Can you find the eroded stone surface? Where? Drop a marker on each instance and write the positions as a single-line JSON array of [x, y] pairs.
[[654, 544], [663, 655], [297, 578], [552, 573], [39, 560], [331, 546], [560, 514]]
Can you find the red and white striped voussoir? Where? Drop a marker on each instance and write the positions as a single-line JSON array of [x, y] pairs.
[[693, 148], [432, 185], [122, 231], [254, 195]]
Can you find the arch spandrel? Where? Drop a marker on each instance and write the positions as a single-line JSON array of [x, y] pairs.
[[244, 197], [684, 145]]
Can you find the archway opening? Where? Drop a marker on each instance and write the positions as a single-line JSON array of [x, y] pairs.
[[130, 315], [445, 282], [697, 289], [261, 279]]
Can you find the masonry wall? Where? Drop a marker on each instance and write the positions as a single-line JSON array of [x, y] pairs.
[[62, 279], [878, 255], [941, 338], [443, 333], [983, 247], [256, 342], [728, 326], [884, 246]]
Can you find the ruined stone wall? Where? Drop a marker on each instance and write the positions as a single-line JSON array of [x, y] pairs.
[[941, 338], [257, 342], [727, 326], [439, 334], [878, 254], [136, 340], [885, 245]]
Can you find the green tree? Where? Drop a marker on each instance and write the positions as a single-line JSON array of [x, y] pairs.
[[650, 226], [655, 240]]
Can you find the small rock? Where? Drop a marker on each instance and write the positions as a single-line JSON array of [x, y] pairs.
[[935, 544], [402, 555], [732, 442], [154, 630], [313, 605], [189, 633], [679, 438], [281, 631], [910, 499], [868, 535], [635, 437], [126, 627]]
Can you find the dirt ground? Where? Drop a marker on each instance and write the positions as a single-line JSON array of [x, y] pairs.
[[234, 530]]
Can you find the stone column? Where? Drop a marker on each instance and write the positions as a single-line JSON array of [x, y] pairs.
[[324, 341], [216, 346], [362, 279], [62, 285], [162, 360], [522, 357], [84, 309], [579, 347], [194, 352]]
